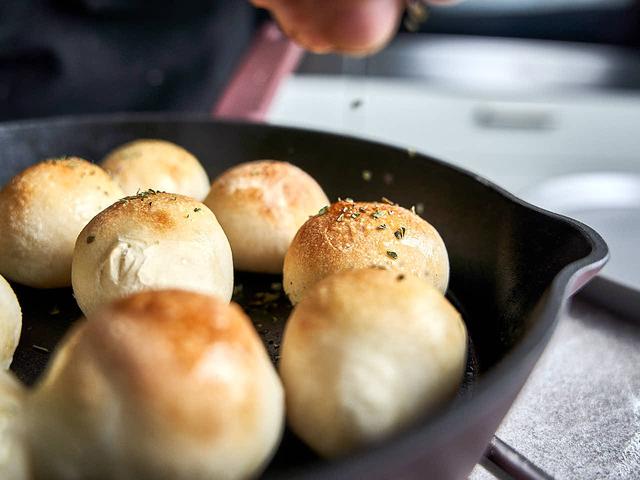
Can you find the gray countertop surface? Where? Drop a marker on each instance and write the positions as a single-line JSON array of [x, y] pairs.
[[578, 416]]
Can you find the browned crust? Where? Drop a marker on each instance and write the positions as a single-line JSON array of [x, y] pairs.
[[300, 191], [159, 210]]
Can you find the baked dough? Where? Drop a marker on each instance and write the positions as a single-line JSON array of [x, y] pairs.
[[10, 323], [367, 353], [151, 241], [261, 205], [143, 164], [352, 234], [162, 385]]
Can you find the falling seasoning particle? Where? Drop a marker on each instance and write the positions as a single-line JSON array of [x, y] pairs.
[[392, 255], [367, 175], [411, 152], [387, 178], [355, 104], [387, 201], [277, 286], [42, 349], [54, 311], [413, 209], [419, 208], [91, 238], [400, 233]]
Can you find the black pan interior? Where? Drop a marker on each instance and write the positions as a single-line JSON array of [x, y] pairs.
[[503, 255]]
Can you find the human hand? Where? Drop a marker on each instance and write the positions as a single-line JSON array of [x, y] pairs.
[[349, 26]]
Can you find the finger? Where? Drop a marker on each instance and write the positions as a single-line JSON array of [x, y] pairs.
[[349, 26]]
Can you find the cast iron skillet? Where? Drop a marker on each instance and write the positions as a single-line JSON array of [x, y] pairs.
[[512, 268]]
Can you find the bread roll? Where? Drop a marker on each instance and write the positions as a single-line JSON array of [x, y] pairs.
[[10, 323], [14, 460], [42, 210], [261, 205], [157, 164], [366, 353], [358, 235], [151, 241], [162, 385]]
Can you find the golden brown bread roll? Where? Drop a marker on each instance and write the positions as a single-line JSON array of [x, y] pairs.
[[161, 385], [366, 353], [42, 210], [151, 241], [10, 323], [359, 235], [260, 206], [157, 164], [14, 458]]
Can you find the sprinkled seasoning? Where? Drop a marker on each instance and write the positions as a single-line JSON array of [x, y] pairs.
[[400, 277], [340, 217], [348, 200], [367, 175], [197, 209], [322, 211], [400, 233], [382, 226], [377, 214], [91, 239], [355, 215], [362, 209], [186, 216], [392, 255]]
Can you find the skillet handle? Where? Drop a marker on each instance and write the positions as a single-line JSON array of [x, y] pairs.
[[506, 463], [268, 61]]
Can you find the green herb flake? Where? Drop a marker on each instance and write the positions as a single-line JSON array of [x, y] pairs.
[[367, 175], [323, 210], [400, 233], [392, 255], [377, 214]]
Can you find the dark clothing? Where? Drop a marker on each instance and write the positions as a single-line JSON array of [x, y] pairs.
[[89, 56]]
